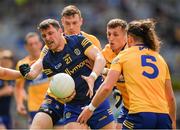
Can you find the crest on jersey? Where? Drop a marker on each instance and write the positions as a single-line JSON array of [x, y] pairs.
[[77, 51], [68, 115]]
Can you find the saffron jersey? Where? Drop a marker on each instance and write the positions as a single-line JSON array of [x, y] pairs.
[[36, 88], [72, 60], [109, 55], [145, 72], [92, 39]]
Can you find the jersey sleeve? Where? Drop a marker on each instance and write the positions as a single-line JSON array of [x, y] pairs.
[[116, 64], [119, 60], [85, 44], [44, 52]]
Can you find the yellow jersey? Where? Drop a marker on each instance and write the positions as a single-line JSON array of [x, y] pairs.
[[109, 55], [36, 88], [145, 72]]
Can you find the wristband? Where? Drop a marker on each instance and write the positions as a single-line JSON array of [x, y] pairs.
[[94, 75], [91, 107]]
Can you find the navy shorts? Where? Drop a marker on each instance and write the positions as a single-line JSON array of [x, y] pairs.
[[122, 114], [100, 118], [31, 116], [53, 108], [6, 121], [147, 120]]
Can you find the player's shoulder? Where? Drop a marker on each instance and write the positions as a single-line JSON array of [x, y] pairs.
[[107, 50], [74, 38], [91, 37], [87, 35]]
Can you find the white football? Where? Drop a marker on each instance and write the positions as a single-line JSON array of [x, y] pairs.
[[62, 85]]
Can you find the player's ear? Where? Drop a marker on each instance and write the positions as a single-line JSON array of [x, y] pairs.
[[81, 19], [60, 30], [62, 21], [130, 40]]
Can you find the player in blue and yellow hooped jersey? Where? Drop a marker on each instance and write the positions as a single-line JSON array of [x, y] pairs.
[[69, 54], [147, 79], [72, 21], [117, 41], [36, 89]]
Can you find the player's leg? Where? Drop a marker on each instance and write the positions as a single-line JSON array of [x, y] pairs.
[[42, 121], [102, 117], [75, 125], [49, 113]]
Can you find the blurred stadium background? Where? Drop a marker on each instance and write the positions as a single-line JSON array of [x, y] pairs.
[[18, 17]]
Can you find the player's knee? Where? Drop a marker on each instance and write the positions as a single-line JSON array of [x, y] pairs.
[[42, 121]]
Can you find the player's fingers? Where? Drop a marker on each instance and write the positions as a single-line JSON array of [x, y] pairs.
[[84, 77], [88, 93], [91, 93]]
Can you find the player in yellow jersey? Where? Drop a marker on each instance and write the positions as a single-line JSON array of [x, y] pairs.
[[36, 88], [72, 21], [151, 98], [117, 41]]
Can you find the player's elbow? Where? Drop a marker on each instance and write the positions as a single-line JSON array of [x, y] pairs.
[[101, 59]]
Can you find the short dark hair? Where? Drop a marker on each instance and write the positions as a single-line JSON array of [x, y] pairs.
[[47, 22], [29, 35], [70, 10], [117, 23]]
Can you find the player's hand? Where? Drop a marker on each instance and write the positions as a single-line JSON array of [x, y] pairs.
[[85, 115], [21, 109], [90, 81], [24, 69], [118, 97], [68, 99]]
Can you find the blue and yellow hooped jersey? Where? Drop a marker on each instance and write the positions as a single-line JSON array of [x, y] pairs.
[[72, 60]]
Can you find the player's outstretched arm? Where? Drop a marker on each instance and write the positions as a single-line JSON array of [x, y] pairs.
[[99, 62], [9, 74], [171, 102], [102, 93]]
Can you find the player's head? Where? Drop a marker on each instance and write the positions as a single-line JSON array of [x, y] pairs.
[[51, 33], [71, 20], [33, 44], [143, 31], [117, 34]]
